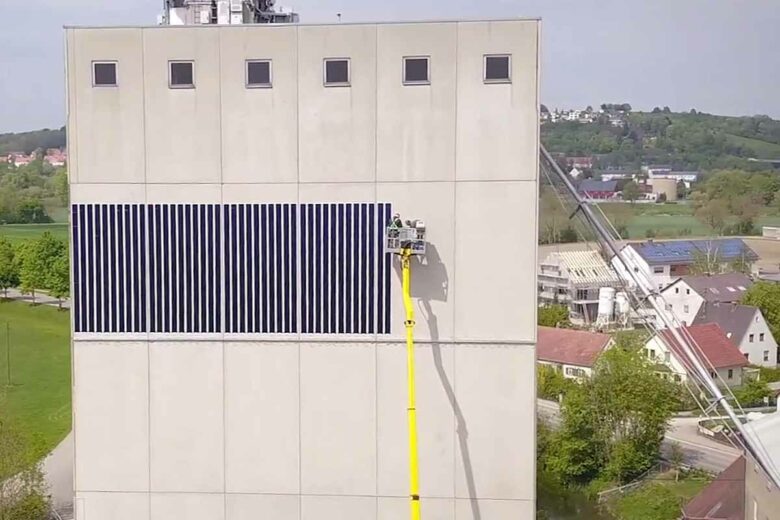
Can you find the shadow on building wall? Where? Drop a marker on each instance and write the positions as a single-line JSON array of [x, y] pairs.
[[430, 282]]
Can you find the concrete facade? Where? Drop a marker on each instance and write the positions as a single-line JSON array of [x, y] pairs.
[[298, 425]]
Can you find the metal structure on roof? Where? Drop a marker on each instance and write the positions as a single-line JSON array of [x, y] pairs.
[[686, 251], [587, 268]]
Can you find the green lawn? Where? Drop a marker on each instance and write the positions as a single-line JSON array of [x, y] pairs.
[[18, 232], [660, 499], [38, 401]]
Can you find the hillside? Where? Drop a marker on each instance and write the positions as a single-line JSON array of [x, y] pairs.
[[27, 142], [687, 141]]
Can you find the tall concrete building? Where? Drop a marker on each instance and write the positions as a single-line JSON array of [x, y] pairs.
[[238, 329]]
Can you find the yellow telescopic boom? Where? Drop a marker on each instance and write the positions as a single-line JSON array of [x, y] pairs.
[[411, 410]]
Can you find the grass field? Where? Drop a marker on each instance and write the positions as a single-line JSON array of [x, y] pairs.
[[18, 232], [38, 401], [760, 149], [658, 500]]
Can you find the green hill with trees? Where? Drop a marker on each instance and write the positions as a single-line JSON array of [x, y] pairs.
[[686, 141], [28, 142]]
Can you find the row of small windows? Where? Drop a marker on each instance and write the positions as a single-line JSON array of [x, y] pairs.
[[336, 72]]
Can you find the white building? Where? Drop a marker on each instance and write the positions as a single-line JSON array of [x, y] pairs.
[[723, 360], [659, 263], [685, 296], [746, 327], [238, 341]]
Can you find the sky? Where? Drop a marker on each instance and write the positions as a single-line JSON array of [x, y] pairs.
[[718, 56]]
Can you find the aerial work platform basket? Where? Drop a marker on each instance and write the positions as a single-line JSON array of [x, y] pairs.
[[405, 236]]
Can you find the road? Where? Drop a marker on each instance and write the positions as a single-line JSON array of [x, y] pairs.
[[698, 451]]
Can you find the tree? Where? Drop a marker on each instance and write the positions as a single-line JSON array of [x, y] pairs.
[[58, 281], [631, 191], [766, 296], [752, 393], [9, 272], [61, 188], [713, 213], [707, 261], [553, 316], [31, 269], [23, 496], [551, 383]]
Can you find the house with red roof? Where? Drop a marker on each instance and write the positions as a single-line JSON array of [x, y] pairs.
[[573, 352], [715, 350]]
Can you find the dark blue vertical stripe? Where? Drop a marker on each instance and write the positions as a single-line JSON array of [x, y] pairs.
[[187, 271], [264, 268], [310, 268], [379, 211], [121, 271], [98, 262], [363, 267], [286, 267], [387, 274], [200, 262], [325, 267], [133, 237], [356, 242], [294, 276], [233, 268], [165, 267], [112, 278], [182, 269], [141, 270], [348, 314], [332, 261], [241, 240], [278, 278], [372, 228], [105, 271], [74, 223], [212, 252], [251, 278], [342, 267]]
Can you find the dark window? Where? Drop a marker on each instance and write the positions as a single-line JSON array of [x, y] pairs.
[[104, 74], [416, 71], [182, 74], [497, 69], [761, 337], [731, 373], [258, 73], [337, 72]]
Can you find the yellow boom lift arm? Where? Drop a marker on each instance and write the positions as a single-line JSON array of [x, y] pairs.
[[411, 410]]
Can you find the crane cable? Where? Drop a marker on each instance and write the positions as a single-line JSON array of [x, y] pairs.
[[411, 410]]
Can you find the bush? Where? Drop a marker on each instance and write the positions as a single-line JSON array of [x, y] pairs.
[[551, 383], [553, 316], [650, 233], [752, 393]]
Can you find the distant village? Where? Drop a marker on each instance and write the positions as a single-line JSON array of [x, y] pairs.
[[613, 114], [52, 156]]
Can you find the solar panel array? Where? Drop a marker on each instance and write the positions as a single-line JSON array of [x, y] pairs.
[[233, 268]]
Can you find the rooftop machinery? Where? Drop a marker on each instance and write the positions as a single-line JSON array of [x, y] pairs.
[[407, 239], [224, 12]]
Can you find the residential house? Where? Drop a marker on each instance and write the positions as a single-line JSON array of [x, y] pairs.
[[657, 264], [55, 157], [573, 278], [746, 327], [573, 352], [600, 190], [722, 358], [580, 162], [723, 498], [21, 159], [686, 295]]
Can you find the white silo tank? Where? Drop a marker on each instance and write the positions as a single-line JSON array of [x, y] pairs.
[[606, 304], [622, 306]]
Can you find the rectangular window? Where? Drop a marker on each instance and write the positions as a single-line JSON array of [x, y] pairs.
[[337, 72], [731, 373], [766, 355], [181, 74], [676, 290], [498, 68], [686, 309], [258, 74], [667, 357], [712, 374], [659, 269], [687, 291], [751, 338], [677, 378], [104, 74], [417, 70], [761, 337]]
